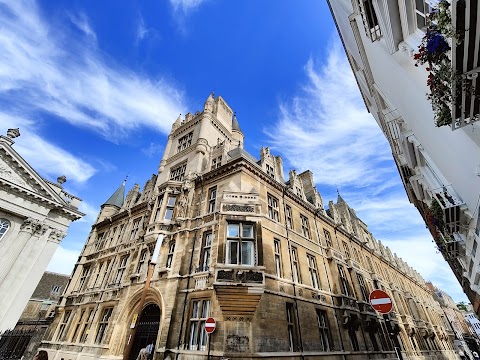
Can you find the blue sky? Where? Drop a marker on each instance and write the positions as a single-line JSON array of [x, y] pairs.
[[95, 85]]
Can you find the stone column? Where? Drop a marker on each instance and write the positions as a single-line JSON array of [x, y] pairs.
[[32, 269], [26, 230]]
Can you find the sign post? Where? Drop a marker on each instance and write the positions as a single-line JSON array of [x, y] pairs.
[[209, 328], [382, 303]]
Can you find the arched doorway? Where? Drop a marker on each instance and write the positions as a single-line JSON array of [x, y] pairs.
[[147, 329]]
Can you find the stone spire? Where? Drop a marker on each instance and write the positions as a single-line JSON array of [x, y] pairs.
[[177, 123], [235, 124], [209, 104], [118, 197]]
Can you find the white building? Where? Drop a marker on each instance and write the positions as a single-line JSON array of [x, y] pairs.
[[439, 165], [472, 319], [34, 217]]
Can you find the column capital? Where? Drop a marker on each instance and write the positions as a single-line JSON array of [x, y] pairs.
[[56, 235]]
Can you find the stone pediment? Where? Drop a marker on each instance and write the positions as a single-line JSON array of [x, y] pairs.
[[16, 173]]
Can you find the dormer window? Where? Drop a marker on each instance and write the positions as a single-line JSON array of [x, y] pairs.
[[270, 171], [185, 142], [216, 162]]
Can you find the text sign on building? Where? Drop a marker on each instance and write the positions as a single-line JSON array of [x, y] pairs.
[[380, 301], [210, 325]]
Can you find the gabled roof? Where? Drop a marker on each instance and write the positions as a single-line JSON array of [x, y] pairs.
[[16, 173]]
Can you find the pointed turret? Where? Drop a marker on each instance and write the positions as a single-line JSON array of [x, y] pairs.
[[117, 198], [339, 198], [209, 104], [113, 204], [237, 133], [177, 123]]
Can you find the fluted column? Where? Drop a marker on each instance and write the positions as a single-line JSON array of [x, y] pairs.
[[27, 229]]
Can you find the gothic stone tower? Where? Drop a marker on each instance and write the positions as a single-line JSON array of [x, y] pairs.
[[282, 276]]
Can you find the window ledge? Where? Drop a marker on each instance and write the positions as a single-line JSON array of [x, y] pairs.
[[163, 270]]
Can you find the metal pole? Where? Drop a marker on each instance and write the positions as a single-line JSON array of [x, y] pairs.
[[208, 353], [393, 337]]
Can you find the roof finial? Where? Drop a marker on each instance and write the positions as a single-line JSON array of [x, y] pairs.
[[125, 181]]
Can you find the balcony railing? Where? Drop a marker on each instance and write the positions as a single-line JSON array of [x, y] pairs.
[[238, 274]]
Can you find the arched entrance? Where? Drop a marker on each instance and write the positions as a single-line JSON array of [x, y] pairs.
[[147, 329]]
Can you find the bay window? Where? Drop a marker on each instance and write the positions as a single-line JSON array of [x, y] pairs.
[[240, 244]]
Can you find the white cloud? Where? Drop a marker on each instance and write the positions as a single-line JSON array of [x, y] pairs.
[[50, 70], [90, 211], [186, 6], [46, 158], [142, 30], [326, 128], [63, 260], [153, 149]]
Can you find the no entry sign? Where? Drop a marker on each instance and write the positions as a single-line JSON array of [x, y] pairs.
[[380, 301], [210, 325]]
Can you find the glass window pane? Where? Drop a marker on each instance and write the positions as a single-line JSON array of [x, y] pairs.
[[233, 230], [420, 21], [206, 309], [203, 337], [168, 214], [232, 248], [247, 231], [247, 253], [171, 200], [419, 4], [195, 309], [208, 240], [193, 335]]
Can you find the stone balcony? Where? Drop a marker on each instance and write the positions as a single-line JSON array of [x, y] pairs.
[[347, 303], [239, 289]]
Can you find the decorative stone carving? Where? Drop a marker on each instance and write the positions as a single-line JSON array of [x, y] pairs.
[[7, 174], [29, 225], [13, 133], [56, 235], [239, 208]]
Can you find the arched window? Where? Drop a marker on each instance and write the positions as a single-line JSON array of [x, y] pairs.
[[4, 226]]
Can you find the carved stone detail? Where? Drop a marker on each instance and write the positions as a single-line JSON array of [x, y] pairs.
[[56, 235], [239, 208], [7, 174]]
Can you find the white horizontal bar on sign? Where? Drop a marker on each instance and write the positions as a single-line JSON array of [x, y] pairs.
[[381, 301]]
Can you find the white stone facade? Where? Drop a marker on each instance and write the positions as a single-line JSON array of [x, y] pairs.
[[34, 217], [435, 163]]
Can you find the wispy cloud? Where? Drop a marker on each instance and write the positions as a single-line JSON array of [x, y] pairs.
[[142, 30], [82, 23], [326, 128], [153, 149], [48, 159], [185, 6], [43, 71], [63, 260]]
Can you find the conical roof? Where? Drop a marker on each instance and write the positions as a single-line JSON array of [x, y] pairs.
[[117, 198], [235, 124]]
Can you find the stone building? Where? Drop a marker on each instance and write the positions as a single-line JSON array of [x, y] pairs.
[[24, 340], [34, 216], [426, 110], [282, 276]]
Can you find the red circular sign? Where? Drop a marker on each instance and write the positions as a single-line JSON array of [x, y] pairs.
[[210, 325], [380, 301]]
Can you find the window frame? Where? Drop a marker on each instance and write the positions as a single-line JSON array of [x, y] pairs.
[[196, 335], [324, 330], [82, 282], [177, 173], [212, 199], [305, 226], [64, 325], [185, 142], [270, 170], [297, 276], [103, 324], [142, 260], [205, 256], [5, 225], [344, 284], [240, 240], [87, 325], [370, 20], [364, 292], [312, 269], [288, 215], [273, 209], [121, 268], [170, 208], [216, 162], [328, 238], [171, 252], [291, 326], [277, 250]]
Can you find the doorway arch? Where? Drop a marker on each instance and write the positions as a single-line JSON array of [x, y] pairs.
[[147, 330]]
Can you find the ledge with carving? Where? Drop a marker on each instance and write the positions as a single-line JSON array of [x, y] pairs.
[[240, 275], [346, 302]]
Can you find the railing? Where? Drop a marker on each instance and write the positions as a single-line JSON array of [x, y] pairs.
[[201, 282]]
